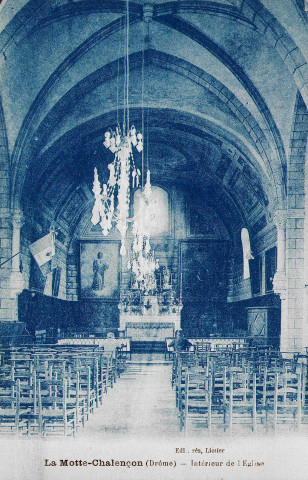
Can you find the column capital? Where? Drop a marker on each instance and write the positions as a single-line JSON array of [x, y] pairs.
[[148, 9], [17, 219]]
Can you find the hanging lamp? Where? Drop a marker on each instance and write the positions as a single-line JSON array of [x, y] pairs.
[[122, 171]]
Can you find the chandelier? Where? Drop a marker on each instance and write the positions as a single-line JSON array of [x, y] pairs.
[[143, 263], [122, 173]]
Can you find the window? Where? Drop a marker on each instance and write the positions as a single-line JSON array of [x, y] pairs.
[[159, 210], [246, 252]]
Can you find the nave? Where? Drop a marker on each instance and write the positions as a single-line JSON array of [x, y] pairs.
[[141, 404], [145, 404], [86, 392]]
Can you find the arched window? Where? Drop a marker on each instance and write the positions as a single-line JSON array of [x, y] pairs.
[[247, 255], [159, 210]]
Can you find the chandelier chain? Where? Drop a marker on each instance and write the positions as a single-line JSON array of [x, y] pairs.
[[124, 174]]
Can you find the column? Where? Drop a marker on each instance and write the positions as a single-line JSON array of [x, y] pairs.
[[305, 309], [279, 281], [5, 271], [296, 232], [17, 283]]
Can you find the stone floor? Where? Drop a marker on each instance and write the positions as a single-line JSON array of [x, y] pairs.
[[141, 403]]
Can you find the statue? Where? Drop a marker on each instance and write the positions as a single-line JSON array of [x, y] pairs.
[[166, 279], [150, 284], [99, 268]]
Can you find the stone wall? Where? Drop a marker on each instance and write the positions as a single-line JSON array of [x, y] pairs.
[[5, 249], [6, 303], [293, 304]]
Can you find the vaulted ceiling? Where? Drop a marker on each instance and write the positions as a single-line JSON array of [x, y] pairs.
[[214, 82]]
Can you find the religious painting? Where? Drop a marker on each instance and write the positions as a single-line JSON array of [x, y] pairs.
[[203, 270], [99, 269]]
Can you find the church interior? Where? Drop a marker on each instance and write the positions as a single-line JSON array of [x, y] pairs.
[[153, 215]]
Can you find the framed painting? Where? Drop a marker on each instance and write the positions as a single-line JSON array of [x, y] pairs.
[[203, 270], [100, 269]]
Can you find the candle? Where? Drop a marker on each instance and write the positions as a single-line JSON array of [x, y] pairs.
[[181, 286]]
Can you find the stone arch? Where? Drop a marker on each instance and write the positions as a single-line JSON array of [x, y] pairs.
[[25, 131], [251, 12], [169, 62], [199, 37], [254, 14], [177, 119], [280, 39], [228, 202]]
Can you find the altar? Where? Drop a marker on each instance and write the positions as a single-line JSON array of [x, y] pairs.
[[150, 321]]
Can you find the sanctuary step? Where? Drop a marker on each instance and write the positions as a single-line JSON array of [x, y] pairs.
[[147, 347], [148, 359]]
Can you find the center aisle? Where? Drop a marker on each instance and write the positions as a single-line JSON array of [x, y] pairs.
[[141, 403]]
